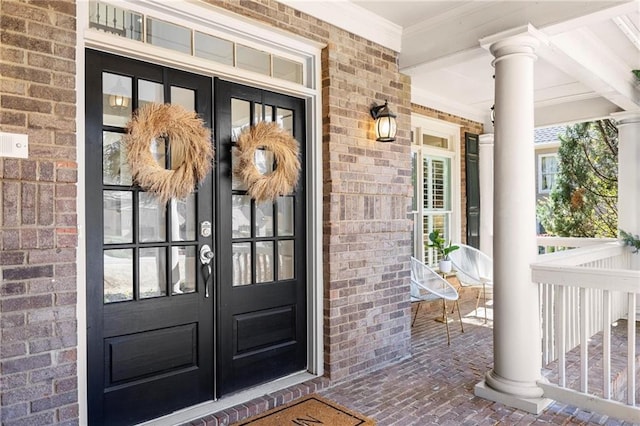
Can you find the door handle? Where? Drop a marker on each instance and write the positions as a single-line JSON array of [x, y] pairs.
[[206, 256]]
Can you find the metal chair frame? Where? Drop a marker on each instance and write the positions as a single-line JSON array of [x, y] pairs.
[[426, 279]]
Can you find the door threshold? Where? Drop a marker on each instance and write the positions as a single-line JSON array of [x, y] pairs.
[[205, 408]]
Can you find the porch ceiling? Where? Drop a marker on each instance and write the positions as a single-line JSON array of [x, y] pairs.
[[583, 72]]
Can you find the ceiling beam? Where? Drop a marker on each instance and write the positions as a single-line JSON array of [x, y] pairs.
[[586, 58]]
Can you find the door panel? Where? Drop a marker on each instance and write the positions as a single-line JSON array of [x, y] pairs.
[[262, 272], [150, 326]]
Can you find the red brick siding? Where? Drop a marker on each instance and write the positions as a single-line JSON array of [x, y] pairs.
[[38, 334], [466, 126]]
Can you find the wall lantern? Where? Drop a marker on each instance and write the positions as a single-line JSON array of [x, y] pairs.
[[385, 123], [119, 97]]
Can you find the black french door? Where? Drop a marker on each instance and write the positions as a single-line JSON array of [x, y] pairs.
[[150, 326], [160, 337], [262, 250]]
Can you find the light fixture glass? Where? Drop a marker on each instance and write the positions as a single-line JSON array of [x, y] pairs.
[[385, 123], [119, 97]]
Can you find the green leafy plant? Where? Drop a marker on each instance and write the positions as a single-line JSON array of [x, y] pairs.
[[439, 243], [630, 240], [636, 73]]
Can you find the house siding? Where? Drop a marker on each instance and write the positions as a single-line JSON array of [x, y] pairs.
[[466, 126], [366, 197], [38, 333]]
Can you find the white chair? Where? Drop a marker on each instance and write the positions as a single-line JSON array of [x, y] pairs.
[[473, 268], [428, 285]]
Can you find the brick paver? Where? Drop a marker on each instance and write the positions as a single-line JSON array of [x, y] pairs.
[[432, 387]]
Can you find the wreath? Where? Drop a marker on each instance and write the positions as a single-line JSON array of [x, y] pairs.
[[191, 150], [282, 180]]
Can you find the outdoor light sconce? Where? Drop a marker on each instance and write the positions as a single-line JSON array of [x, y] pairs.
[[385, 123]]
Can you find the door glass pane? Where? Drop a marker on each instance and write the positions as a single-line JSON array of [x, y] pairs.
[[118, 275], [264, 161], [241, 216], [287, 70], [240, 117], [118, 217], [158, 151], [241, 263], [152, 218], [285, 216], [264, 261], [116, 99], [153, 272], [236, 183], [264, 220], [183, 218], [268, 113], [285, 260], [253, 60], [257, 113], [115, 169], [183, 271], [213, 48], [184, 97], [285, 119], [168, 35], [148, 92]]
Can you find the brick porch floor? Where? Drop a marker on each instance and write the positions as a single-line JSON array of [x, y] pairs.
[[433, 387]]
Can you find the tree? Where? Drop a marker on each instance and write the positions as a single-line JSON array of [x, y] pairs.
[[583, 202]]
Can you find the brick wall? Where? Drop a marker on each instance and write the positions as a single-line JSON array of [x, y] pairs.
[[38, 237], [366, 192], [465, 126], [366, 195]]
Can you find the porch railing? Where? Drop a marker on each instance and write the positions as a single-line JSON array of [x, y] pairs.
[[585, 292], [554, 244]]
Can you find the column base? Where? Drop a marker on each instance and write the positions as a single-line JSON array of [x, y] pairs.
[[530, 405]]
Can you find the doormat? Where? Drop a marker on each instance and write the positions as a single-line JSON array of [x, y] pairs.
[[311, 410]]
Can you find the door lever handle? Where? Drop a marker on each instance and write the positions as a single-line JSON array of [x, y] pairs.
[[206, 255]]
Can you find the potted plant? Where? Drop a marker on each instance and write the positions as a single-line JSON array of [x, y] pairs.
[[441, 246]]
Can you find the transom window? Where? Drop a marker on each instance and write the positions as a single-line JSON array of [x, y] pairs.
[[147, 29]]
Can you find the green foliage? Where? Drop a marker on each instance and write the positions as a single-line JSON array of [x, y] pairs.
[[583, 202], [636, 73], [630, 240], [440, 244]]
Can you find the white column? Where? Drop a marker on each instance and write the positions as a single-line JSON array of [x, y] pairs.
[[486, 193], [516, 326], [629, 175]]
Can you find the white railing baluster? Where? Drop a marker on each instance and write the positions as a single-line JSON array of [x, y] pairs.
[[631, 351], [606, 345], [560, 336], [584, 340]]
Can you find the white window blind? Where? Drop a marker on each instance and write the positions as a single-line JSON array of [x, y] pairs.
[[436, 187]]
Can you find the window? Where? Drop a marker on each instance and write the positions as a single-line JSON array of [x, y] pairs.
[[436, 183], [547, 170]]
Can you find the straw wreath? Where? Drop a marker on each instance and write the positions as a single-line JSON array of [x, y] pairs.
[[191, 150], [282, 180]]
